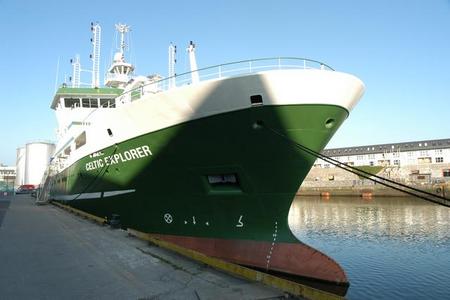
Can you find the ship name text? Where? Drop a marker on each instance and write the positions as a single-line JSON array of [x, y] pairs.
[[121, 157]]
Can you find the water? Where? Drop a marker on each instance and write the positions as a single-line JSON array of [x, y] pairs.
[[390, 248]]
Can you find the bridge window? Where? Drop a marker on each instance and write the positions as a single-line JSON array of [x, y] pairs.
[[72, 102], [93, 102], [89, 102], [108, 103], [85, 102]]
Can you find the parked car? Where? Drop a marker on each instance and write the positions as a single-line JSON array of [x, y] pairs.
[[26, 189]]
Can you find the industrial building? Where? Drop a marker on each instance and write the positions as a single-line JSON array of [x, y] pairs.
[[32, 161], [421, 160]]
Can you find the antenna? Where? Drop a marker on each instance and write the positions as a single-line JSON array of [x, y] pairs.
[[96, 43], [122, 29], [172, 62], [76, 71], [57, 75], [193, 62]]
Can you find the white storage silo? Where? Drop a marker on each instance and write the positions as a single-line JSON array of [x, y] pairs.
[[38, 156], [20, 167]]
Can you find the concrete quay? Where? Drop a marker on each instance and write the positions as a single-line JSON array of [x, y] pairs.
[[337, 182], [47, 253]]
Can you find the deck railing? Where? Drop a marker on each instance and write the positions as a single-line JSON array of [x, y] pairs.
[[227, 70]]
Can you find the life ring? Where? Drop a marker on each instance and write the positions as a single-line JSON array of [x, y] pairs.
[[438, 190]]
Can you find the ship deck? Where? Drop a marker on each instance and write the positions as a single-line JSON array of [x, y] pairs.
[[48, 253]]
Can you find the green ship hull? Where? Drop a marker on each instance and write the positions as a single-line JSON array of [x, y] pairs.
[[222, 185]]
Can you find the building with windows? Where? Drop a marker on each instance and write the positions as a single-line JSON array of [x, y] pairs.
[[422, 159], [7, 177]]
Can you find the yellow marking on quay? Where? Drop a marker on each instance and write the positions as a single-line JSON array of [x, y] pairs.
[[291, 287], [86, 215]]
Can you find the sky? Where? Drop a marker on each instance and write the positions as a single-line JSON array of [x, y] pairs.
[[399, 49]]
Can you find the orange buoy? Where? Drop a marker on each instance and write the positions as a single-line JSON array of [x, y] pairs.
[[366, 195], [325, 194]]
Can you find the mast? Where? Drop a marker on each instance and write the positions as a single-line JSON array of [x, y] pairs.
[[193, 62], [76, 71], [122, 29], [119, 73], [95, 56], [172, 62]]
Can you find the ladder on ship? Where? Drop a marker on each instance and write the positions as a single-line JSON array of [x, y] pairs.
[[43, 193]]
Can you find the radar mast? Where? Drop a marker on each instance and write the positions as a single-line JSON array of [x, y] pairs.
[[119, 73]]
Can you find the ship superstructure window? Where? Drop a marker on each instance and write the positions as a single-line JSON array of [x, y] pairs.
[[72, 102], [89, 102], [446, 173], [85, 102], [93, 102], [80, 140], [439, 159], [108, 103], [67, 151]]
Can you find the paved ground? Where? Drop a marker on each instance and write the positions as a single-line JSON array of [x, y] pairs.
[[47, 253], [4, 204]]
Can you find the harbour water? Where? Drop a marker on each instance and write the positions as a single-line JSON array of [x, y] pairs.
[[390, 248]]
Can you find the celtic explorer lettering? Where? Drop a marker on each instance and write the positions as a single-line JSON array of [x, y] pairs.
[[121, 157]]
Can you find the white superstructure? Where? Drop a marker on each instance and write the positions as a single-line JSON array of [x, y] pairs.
[[138, 105]]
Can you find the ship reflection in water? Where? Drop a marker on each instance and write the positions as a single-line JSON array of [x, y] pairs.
[[391, 248]]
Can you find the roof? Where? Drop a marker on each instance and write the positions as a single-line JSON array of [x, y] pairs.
[[394, 147], [69, 91]]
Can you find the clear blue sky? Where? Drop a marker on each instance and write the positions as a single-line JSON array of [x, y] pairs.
[[400, 49]]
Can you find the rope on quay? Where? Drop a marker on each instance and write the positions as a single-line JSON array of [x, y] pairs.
[[375, 178]]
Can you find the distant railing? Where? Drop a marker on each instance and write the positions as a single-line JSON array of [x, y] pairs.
[[228, 70]]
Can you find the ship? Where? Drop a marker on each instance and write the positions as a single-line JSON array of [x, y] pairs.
[[205, 159]]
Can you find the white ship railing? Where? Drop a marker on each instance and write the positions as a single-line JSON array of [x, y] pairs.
[[227, 70]]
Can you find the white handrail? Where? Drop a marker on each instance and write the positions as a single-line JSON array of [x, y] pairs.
[[231, 69]]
